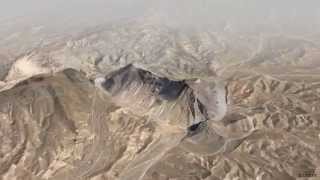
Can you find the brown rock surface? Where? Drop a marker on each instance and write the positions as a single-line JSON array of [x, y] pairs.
[[57, 121]]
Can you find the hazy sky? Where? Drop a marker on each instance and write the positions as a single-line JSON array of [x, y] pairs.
[[291, 13]]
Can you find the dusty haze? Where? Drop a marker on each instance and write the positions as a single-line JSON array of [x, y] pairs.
[[282, 16], [159, 90]]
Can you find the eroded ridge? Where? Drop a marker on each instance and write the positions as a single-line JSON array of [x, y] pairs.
[[69, 129]]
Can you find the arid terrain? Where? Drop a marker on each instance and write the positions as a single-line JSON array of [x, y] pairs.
[[137, 100]]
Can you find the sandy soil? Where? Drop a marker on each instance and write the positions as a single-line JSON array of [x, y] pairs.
[[250, 109]]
